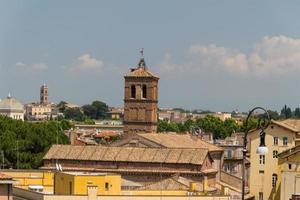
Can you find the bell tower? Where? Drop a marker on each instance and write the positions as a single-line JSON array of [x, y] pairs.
[[44, 94], [140, 100]]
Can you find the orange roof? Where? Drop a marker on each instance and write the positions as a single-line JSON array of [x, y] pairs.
[[172, 140], [282, 124], [5, 177], [127, 154], [107, 134]]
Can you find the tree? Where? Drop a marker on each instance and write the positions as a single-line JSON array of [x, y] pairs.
[[24, 143], [252, 124], [90, 111], [286, 112], [96, 110], [102, 109], [216, 126], [165, 126], [74, 113], [297, 113], [273, 115], [61, 106]]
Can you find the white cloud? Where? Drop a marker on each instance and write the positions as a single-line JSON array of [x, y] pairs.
[[86, 63], [275, 55], [271, 56], [32, 67]]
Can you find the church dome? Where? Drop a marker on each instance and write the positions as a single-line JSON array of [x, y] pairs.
[[11, 104]]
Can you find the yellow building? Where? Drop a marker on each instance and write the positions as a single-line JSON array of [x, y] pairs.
[[288, 182], [77, 183], [36, 180], [263, 170]]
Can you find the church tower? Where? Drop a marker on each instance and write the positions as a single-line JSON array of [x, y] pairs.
[[44, 94], [140, 101]]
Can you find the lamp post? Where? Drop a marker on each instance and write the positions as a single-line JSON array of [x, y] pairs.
[[262, 149]]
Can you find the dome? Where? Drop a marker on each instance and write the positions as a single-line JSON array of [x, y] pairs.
[[11, 104]]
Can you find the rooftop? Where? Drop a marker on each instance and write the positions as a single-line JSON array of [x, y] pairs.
[[173, 140], [88, 173], [127, 154]]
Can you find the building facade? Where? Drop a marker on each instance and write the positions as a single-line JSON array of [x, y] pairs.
[[287, 182], [139, 165], [140, 100], [36, 111], [263, 168], [77, 183]]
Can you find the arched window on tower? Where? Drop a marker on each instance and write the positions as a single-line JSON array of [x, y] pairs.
[[133, 91], [144, 95]]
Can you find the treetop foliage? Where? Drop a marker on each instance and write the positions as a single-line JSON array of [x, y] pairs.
[[25, 143]]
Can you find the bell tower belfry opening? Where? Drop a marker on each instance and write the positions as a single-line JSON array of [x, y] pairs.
[[140, 100]]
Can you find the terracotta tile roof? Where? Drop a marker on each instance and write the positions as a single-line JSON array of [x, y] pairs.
[[284, 124], [295, 123], [172, 140], [289, 152], [127, 154], [5, 177], [287, 125], [166, 184], [140, 72]]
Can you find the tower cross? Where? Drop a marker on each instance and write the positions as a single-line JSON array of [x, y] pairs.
[[142, 52]]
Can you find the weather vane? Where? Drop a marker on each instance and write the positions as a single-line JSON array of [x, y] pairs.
[[142, 52]]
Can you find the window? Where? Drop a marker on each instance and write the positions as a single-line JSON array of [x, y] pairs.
[[261, 196], [274, 179], [261, 159], [285, 141], [290, 166], [144, 95], [229, 153], [106, 186], [275, 154], [133, 91], [275, 140]]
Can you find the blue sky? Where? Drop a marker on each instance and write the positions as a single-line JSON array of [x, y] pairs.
[[217, 55]]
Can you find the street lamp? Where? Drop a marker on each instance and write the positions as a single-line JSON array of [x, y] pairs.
[[262, 149]]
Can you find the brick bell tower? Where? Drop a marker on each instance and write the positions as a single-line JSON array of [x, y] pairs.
[[44, 94], [141, 99]]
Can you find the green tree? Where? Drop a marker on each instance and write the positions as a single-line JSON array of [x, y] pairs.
[[212, 124], [297, 113], [286, 112], [24, 143], [75, 114], [273, 115], [165, 126], [61, 106], [102, 109], [90, 111]]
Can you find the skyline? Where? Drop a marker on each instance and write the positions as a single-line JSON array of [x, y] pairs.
[[208, 54]]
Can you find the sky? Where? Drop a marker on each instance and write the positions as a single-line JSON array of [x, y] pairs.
[[212, 55]]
